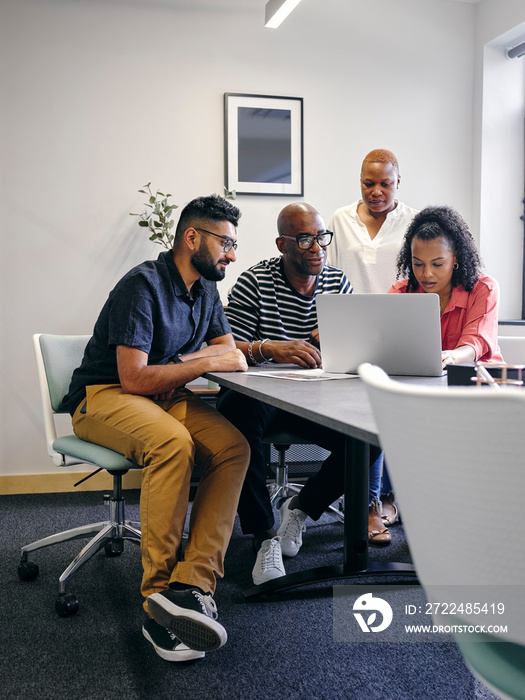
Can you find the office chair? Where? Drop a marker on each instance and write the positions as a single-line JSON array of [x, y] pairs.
[[465, 446], [281, 488], [512, 349], [57, 356]]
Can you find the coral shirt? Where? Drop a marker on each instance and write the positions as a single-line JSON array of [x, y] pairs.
[[469, 319]]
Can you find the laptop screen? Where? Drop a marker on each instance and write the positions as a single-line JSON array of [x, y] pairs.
[[400, 333]]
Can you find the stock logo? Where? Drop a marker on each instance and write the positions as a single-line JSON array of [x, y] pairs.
[[368, 603]]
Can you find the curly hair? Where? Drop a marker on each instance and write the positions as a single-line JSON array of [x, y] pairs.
[[436, 222], [205, 210]]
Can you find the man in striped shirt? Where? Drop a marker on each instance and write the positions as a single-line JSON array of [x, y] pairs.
[[271, 309]]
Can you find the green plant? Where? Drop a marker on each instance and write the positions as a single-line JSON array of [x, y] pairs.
[[157, 217], [229, 194]]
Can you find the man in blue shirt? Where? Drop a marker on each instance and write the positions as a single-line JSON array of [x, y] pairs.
[[129, 395]]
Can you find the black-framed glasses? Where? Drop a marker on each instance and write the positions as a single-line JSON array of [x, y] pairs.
[[305, 241], [227, 244]]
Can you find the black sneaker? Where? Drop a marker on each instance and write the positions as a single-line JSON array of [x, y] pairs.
[[191, 616], [167, 645]]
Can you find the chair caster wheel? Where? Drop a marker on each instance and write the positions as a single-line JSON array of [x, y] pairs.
[[114, 548], [66, 605], [28, 571]]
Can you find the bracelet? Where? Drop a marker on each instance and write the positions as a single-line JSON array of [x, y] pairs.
[[265, 359], [250, 353]]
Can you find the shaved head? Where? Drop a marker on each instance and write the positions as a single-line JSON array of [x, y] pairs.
[[291, 214], [297, 221]]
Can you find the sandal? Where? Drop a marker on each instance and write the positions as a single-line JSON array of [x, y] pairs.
[[377, 532], [389, 513]]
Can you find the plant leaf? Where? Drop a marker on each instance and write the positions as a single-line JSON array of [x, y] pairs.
[[157, 219]]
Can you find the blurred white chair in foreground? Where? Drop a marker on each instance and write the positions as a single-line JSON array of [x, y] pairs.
[[456, 459]]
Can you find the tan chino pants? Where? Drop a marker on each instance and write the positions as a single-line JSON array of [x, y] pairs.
[[165, 437]]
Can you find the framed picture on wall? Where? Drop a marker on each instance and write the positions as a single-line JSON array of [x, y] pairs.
[[263, 144]]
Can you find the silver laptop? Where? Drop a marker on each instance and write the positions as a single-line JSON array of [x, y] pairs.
[[398, 332]]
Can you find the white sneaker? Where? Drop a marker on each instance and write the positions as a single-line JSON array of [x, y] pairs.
[[292, 528], [269, 562]]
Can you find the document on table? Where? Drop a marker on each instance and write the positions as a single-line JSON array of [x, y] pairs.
[[301, 375]]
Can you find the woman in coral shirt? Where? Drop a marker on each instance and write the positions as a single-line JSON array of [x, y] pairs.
[[439, 256]]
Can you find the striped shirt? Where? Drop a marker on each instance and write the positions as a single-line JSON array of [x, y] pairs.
[[263, 303]]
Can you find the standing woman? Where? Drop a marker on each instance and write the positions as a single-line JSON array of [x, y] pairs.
[[439, 256], [367, 237], [368, 233]]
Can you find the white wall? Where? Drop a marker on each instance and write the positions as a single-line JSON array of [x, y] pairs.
[[498, 184], [100, 96]]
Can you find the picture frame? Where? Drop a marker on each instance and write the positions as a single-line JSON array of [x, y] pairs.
[[263, 144]]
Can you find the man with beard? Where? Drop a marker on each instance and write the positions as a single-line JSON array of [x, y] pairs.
[[129, 395], [273, 318]]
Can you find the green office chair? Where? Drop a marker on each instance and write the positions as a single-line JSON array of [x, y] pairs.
[[57, 356]]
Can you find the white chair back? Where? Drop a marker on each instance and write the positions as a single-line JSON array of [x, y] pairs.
[[456, 459], [57, 356], [512, 349]]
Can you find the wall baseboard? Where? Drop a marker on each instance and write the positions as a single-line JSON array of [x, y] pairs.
[[12, 484]]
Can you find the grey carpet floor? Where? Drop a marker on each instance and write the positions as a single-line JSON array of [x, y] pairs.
[[280, 647]]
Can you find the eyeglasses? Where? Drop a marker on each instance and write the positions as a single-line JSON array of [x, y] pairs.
[[228, 243], [304, 241]]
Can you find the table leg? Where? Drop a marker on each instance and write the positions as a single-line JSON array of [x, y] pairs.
[[355, 539], [355, 534]]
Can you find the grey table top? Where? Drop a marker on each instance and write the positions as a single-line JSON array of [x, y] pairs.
[[340, 404]]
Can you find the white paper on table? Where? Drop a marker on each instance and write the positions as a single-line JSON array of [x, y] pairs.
[[300, 375]]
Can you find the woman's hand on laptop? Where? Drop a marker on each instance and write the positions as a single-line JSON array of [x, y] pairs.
[[296, 352], [463, 353], [447, 358]]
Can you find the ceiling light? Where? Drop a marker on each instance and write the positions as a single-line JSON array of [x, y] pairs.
[[277, 11]]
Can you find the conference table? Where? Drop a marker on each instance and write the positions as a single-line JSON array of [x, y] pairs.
[[342, 405]]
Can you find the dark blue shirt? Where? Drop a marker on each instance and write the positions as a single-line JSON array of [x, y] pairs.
[[149, 309]]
